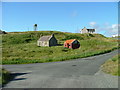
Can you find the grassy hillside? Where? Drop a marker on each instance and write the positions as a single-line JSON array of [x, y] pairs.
[[21, 47]]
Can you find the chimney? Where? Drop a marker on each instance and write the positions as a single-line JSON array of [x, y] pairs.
[[52, 35]]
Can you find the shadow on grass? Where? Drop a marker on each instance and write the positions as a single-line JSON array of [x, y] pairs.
[[59, 44], [12, 77]]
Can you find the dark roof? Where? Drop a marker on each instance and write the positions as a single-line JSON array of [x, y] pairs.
[[45, 38], [90, 29]]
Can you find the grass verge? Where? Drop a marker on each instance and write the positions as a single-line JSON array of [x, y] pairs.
[[112, 66]]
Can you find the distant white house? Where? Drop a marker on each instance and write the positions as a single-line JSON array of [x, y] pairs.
[[85, 30], [115, 35]]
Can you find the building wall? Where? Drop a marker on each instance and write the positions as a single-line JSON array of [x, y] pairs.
[[43, 43], [75, 44], [53, 42], [84, 30], [67, 45], [38, 43]]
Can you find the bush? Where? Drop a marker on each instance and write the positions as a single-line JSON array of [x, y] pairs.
[[112, 66]]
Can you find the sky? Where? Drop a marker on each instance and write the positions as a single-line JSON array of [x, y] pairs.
[[60, 16]]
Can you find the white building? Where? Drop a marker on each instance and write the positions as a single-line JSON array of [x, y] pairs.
[[85, 30], [115, 35]]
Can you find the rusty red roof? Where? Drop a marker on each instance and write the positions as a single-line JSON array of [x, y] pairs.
[[70, 41]]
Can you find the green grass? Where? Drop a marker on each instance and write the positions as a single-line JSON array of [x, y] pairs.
[[112, 66], [21, 47]]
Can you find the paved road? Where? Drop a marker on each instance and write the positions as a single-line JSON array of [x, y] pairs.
[[79, 73]]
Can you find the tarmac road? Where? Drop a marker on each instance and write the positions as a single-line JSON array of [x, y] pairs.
[[78, 73]]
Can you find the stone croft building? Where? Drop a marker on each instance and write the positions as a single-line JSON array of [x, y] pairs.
[[85, 30], [47, 41]]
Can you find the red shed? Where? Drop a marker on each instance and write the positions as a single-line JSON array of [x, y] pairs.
[[72, 43]]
